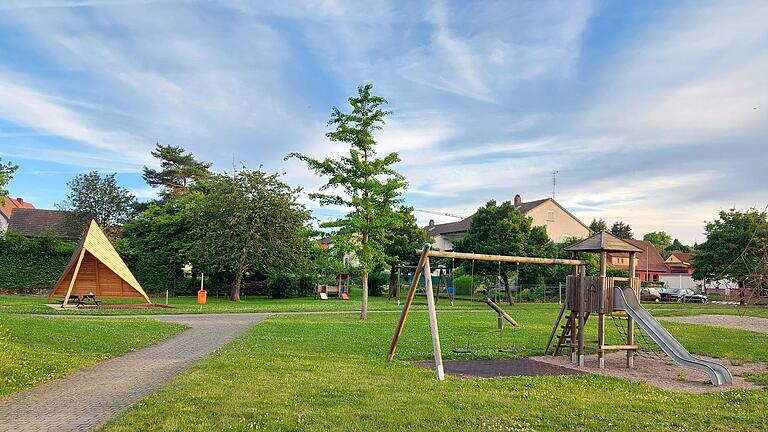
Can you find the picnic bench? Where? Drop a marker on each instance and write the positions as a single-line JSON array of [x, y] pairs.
[[80, 300]]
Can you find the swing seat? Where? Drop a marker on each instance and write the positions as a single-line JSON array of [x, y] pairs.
[[462, 350]]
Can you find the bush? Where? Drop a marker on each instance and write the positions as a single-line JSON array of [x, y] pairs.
[[28, 265], [463, 285], [282, 286], [377, 283], [307, 285]]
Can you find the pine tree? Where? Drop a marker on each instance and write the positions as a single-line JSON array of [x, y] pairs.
[[178, 171]]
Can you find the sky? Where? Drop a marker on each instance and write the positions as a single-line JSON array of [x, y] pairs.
[[652, 113]]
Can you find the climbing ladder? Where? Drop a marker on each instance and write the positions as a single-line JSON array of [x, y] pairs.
[[568, 332]]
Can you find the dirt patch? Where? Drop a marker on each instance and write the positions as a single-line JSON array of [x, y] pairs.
[[755, 324], [113, 306], [499, 368], [662, 373]]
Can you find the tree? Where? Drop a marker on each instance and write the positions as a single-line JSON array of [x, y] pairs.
[[6, 174], [95, 197], [156, 244], [736, 248], [621, 230], [362, 182], [676, 246], [660, 239], [178, 171], [250, 223], [597, 225], [403, 244], [503, 230]]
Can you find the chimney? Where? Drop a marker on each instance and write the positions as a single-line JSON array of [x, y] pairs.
[[518, 200], [431, 222], [20, 200]]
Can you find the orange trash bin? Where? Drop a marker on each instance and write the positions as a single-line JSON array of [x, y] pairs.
[[202, 297]]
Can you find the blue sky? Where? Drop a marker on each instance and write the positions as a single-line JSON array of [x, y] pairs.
[[653, 113]]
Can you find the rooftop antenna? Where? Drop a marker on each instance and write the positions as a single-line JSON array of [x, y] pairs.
[[554, 183]]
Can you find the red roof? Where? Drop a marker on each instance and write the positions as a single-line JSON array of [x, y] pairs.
[[13, 203], [684, 257], [648, 259]]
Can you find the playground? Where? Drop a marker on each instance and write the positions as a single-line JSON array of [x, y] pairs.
[[435, 361]]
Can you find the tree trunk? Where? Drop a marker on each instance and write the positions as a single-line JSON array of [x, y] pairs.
[[394, 284], [234, 295], [364, 305], [505, 278]]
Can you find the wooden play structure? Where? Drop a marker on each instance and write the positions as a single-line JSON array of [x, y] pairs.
[[589, 295], [96, 270], [340, 290], [608, 296], [423, 268]]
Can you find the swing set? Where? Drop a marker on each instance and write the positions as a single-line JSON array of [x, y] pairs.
[[423, 268]]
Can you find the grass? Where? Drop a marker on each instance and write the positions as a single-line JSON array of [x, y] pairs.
[[34, 349], [33, 304], [327, 372]]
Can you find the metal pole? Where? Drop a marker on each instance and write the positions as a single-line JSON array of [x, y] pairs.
[[559, 293], [166, 297]]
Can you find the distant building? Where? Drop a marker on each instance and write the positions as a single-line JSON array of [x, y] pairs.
[[648, 264], [6, 210], [33, 222], [679, 262], [560, 224]]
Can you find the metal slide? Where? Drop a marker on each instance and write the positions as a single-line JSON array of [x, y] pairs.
[[625, 298]]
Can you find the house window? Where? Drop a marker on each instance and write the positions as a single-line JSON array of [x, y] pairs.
[[550, 215]]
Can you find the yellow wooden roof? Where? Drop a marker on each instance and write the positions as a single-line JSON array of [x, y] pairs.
[[95, 242]]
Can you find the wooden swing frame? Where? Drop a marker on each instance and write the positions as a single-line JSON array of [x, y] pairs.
[[424, 268]]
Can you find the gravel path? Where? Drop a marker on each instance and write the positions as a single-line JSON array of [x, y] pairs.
[[88, 398], [755, 324]]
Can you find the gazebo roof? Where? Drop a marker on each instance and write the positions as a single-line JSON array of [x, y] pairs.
[[603, 242]]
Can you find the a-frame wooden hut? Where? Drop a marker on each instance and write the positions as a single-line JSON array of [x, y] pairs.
[[96, 268]]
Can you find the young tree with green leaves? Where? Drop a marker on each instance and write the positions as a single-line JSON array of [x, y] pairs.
[[249, 223], [598, 225], [179, 170], [100, 198], [660, 239], [362, 182], [6, 174], [503, 230], [621, 230], [736, 248]]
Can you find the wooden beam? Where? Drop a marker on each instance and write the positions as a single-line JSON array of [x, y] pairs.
[[582, 311], [408, 301], [436, 349], [504, 258], [618, 347], [500, 311], [74, 276]]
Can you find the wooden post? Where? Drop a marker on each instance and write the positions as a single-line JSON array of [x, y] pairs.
[[408, 301], [582, 311], [630, 320], [74, 276], [574, 315], [433, 322], [601, 311]]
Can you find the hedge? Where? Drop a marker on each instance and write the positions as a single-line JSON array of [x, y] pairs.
[[28, 265]]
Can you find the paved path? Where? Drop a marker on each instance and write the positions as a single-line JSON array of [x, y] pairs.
[[750, 323], [90, 397]]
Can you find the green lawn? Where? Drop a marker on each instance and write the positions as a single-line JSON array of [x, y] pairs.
[[327, 372], [34, 349], [188, 304]]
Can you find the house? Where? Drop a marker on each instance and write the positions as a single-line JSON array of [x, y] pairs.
[[559, 223], [325, 242], [648, 264], [32, 222], [6, 210], [679, 262]]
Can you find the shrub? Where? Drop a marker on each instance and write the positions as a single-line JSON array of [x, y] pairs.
[[282, 286], [463, 285], [28, 265], [377, 283]]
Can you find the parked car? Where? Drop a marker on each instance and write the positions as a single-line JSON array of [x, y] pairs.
[[650, 294], [682, 295]]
